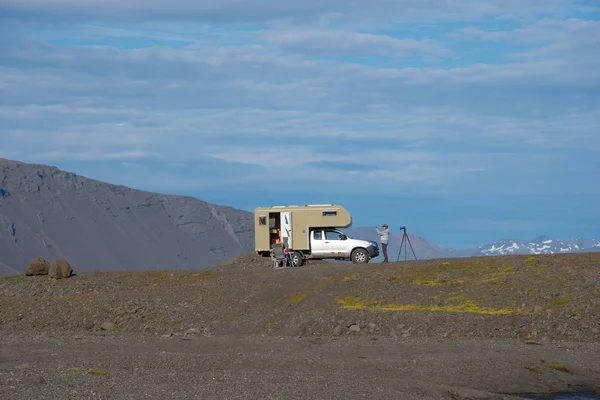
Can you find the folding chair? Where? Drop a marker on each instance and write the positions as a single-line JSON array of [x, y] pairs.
[[280, 257]]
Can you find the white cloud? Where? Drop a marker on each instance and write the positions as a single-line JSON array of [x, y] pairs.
[[339, 42], [233, 104], [323, 11], [542, 31]]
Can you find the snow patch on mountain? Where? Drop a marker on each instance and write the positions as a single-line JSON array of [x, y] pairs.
[[540, 245]]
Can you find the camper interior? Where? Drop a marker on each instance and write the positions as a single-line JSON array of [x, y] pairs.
[[274, 228]]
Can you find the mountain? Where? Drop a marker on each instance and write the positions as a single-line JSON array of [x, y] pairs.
[[54, 214], [94, 225], [539, 245], [423, 248]]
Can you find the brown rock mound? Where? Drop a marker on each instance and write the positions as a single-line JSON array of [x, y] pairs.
[[38, 266], [60, 269]]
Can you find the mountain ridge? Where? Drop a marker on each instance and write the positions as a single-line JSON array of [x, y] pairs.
[[51, 213]]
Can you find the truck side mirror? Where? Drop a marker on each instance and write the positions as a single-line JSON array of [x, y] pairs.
[[343, 237]]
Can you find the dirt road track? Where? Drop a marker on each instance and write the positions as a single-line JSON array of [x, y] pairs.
[[123, 366]]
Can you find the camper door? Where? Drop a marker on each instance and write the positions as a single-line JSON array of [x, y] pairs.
[[286, 229]]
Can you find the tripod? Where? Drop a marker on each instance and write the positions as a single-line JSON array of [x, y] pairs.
[[405, 236]]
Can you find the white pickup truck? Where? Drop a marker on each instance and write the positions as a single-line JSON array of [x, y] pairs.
[[330, 243]]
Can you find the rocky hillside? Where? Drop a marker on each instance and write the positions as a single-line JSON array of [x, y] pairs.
[[55, 214], [546, 297]]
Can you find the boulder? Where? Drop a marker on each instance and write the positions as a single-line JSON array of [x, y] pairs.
[[60, 269], [38, 266], [107, 326], [337, 331]]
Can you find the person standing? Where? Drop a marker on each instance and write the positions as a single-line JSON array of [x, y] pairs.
[[384, 237]]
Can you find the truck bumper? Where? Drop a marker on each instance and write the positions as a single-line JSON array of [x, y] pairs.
[[373, 251]]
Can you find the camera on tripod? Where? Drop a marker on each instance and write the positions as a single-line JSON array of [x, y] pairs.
[[404, 242]]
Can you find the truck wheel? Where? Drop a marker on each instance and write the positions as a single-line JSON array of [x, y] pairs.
[[297, 259], [360, 256]]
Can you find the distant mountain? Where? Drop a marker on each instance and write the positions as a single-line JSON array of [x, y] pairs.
[[539, 245], [54, 214], [94, 225], [423, 248]]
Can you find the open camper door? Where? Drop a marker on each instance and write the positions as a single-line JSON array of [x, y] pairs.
[[286, 229]]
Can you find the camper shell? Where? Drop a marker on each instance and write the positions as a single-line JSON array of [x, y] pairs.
[[302, 229]]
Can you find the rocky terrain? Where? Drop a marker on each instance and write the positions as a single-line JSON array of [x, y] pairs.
[[485, 327], [94, 225], [550, 297]]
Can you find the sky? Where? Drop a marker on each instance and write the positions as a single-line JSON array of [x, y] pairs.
[[465, 121]]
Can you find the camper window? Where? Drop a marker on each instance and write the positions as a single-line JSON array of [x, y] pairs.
[[262, 220], [329, 213]]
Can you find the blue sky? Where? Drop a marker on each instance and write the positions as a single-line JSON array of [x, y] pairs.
[[466, 121]]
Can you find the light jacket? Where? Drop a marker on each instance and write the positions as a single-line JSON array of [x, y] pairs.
[[385, 235]]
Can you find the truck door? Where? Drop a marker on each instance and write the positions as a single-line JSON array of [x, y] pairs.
[[333, 244], [316, 243]]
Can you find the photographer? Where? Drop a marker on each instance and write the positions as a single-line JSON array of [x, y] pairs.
[[384, 236]]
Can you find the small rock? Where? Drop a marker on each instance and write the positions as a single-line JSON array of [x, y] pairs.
[[393, 333], [107, 326], [36, 380], [354, 328], [89, 326], [537, 309], [192, 331], [337, 331], [372, 327], [363, 325], [23, 366]]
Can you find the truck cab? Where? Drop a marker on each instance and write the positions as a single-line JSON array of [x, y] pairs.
[[333, 243]]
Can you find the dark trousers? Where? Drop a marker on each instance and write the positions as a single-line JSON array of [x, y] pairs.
[[384, 248]]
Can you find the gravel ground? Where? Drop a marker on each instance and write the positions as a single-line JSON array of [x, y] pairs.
[[474, 328], [555, 297], [134, 366]]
